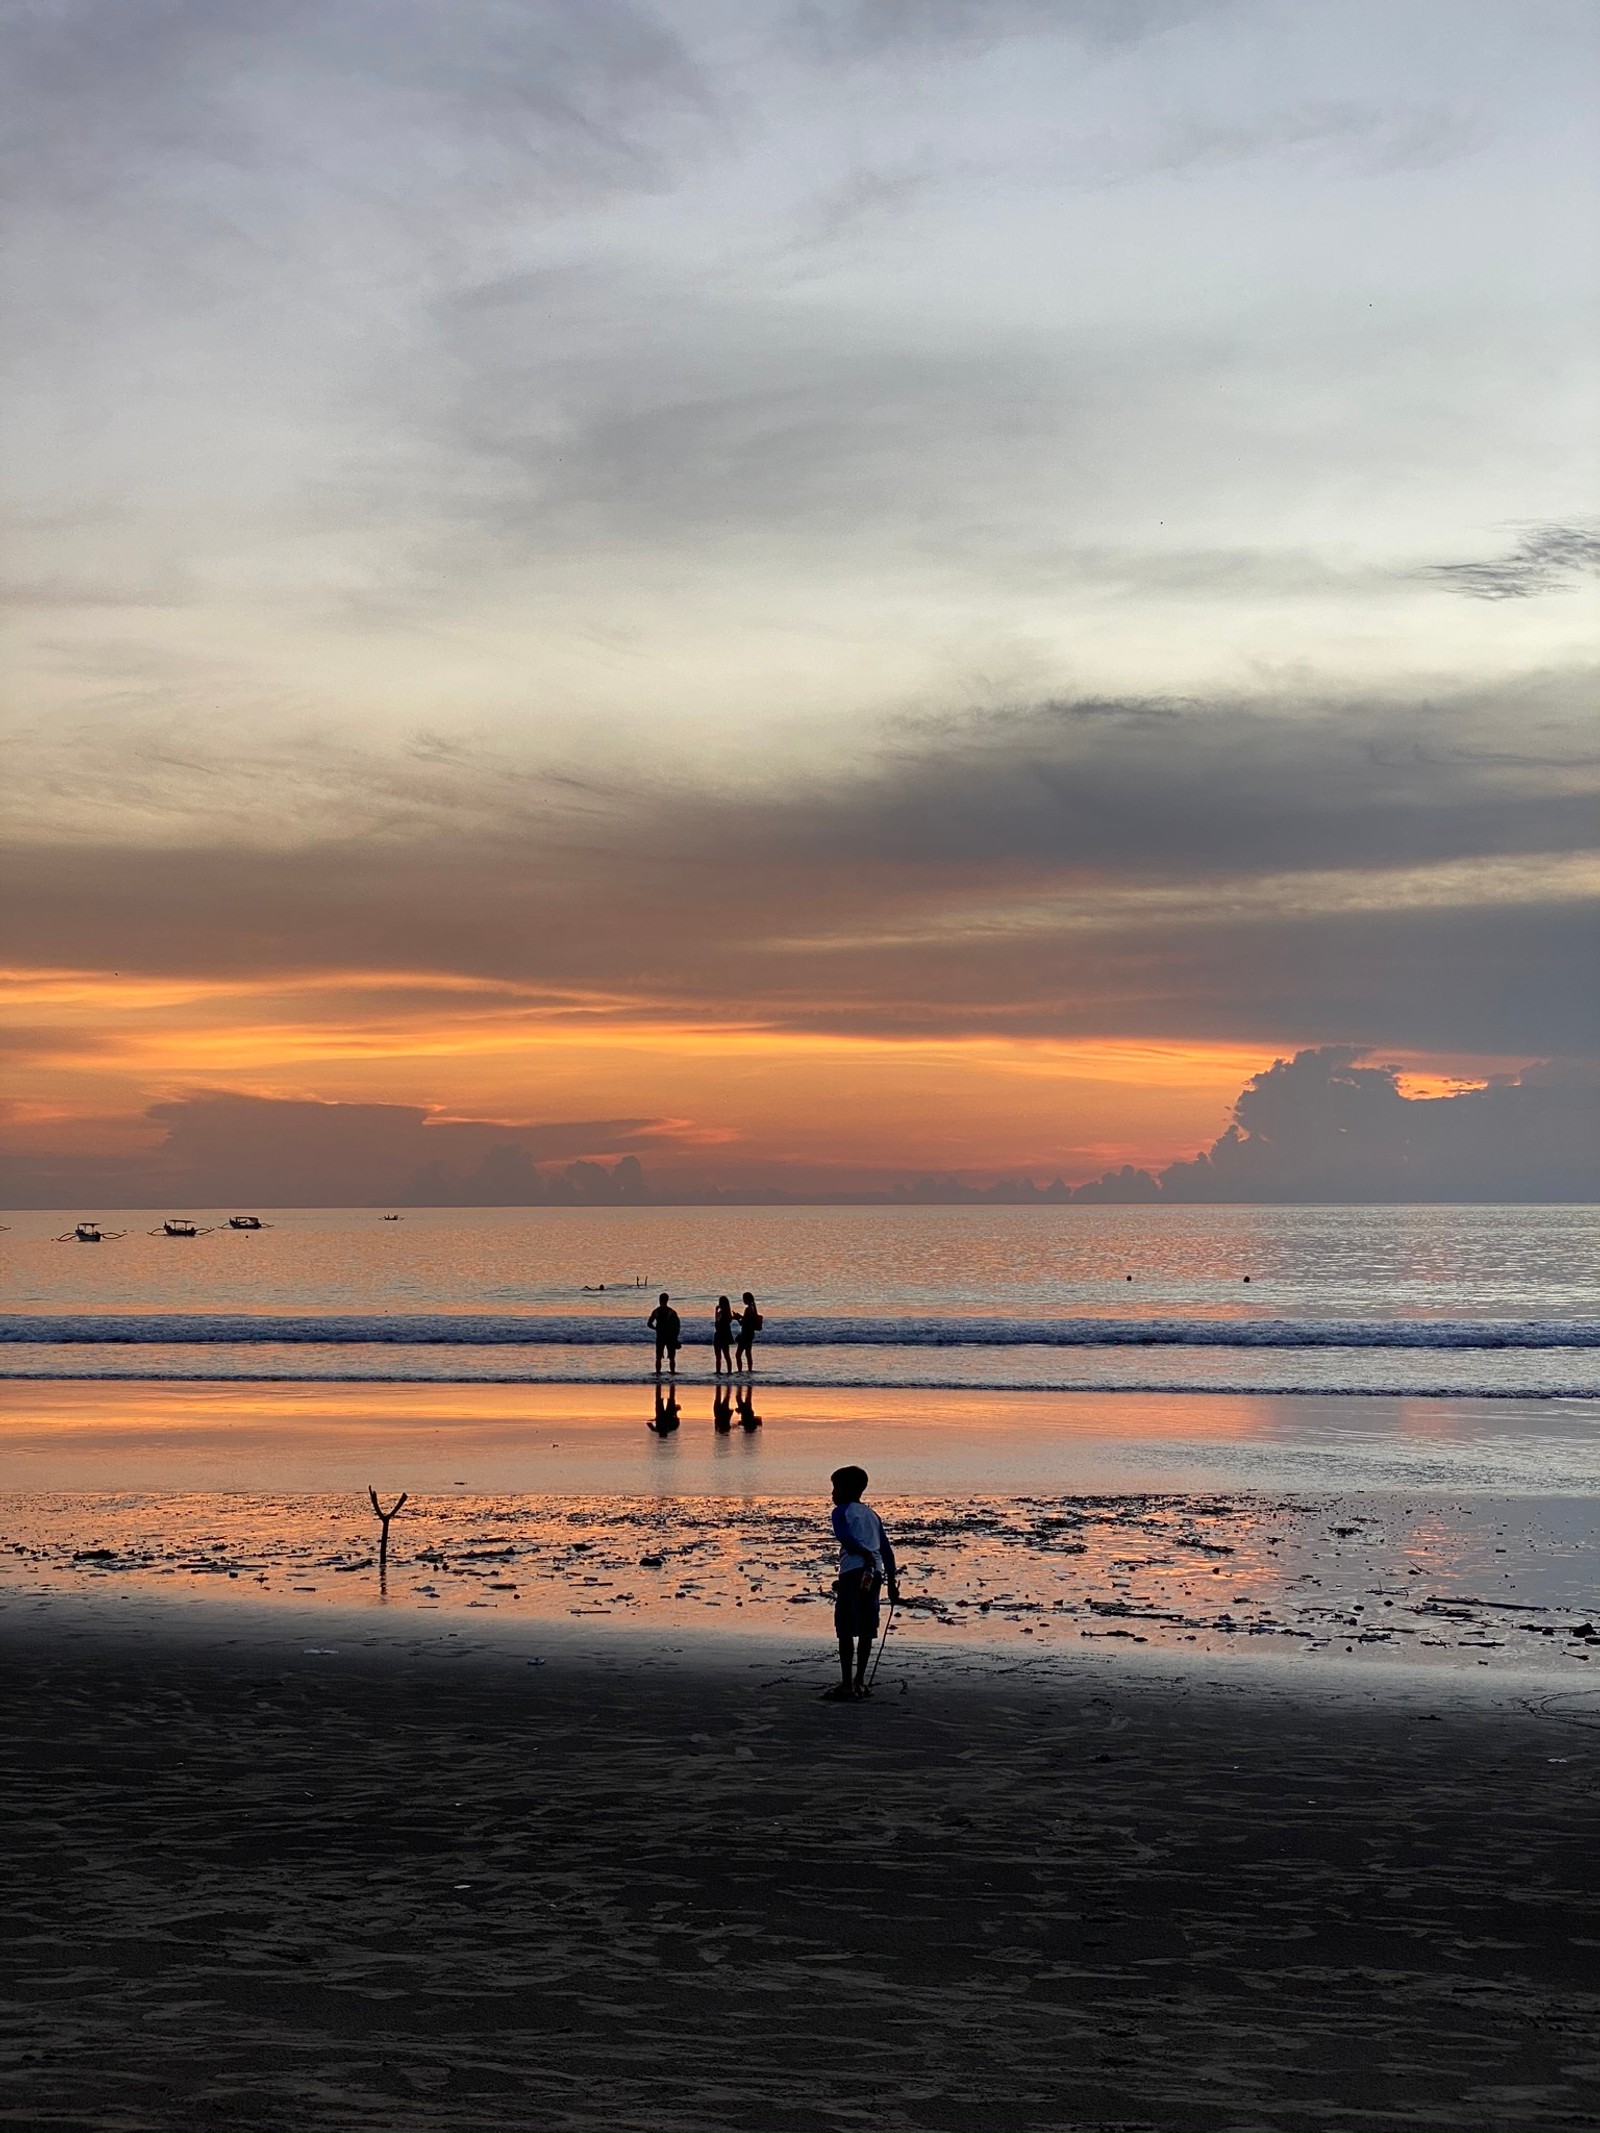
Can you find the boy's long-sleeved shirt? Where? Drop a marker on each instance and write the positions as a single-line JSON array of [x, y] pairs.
[[863, 1544]]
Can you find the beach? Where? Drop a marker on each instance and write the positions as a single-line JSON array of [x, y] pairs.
[[800, 1160], [271, 1869], [1231, 1763], [1432, 1534]]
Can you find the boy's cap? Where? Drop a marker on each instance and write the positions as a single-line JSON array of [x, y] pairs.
[[849, 1477]]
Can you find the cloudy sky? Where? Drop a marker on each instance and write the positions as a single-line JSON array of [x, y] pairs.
[[807, 589]]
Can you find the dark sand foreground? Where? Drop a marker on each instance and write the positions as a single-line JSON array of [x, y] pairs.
[[254, 1886]]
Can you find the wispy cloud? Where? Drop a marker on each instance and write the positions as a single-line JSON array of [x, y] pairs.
[[1085, 866], [1546, 559], [843, 30], [887, 520]]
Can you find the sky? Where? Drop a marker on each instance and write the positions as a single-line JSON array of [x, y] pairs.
[[820, 591]]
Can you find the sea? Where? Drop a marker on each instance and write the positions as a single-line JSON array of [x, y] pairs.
[[1092, 1417], [1500, 1302]]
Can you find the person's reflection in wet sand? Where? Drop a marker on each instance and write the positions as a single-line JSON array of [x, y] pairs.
[[667, 1416], [748, 1418], [722, 1409]]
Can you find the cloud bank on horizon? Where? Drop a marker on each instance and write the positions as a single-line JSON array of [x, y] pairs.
[[1320, 1127], [825, 593]]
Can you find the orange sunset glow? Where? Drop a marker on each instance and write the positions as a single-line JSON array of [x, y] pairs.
[[717, 1097], [800, 1065], [720, 645], [498, 1053]]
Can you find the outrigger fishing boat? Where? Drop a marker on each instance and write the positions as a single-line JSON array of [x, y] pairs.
[[179, 1226], [89, 1233], [247, 1222]]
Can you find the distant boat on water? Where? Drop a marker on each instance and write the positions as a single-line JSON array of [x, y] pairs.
[[89, 1233], [246, 1222], [178, 1226]]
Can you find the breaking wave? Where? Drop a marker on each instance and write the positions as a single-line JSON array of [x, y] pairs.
[[475, 1330]]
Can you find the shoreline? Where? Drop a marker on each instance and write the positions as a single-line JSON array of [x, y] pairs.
[[282, 1880], [644, 1380]]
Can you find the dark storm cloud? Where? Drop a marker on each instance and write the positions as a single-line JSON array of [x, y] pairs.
[[1549, 559]]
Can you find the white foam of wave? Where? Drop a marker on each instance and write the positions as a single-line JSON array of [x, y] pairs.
[[473, 1331]]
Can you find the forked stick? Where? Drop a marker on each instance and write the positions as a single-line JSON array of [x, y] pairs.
[[383, 1525]]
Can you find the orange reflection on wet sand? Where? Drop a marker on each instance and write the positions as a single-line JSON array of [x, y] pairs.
[[1212, 1573]]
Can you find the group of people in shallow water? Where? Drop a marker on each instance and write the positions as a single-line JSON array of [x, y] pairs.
[[733, 1336]]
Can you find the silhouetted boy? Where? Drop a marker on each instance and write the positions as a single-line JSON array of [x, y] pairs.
[[866, 1565]]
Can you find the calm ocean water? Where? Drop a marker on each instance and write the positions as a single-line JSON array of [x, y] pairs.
[[1487, 1302]]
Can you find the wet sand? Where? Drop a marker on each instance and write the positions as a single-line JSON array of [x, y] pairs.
[[1479, 1583], [281, 1870]]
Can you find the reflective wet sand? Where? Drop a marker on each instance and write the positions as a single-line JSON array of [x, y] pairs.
[[1402, 1532]]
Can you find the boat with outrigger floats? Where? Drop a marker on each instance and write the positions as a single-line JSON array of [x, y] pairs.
[[179, 1226], [89, 1233], [247, 1222]]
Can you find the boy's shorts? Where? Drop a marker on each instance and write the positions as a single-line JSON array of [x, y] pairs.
[[855, 1606]]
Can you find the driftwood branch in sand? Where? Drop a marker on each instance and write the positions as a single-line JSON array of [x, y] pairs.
[[383, 1525]]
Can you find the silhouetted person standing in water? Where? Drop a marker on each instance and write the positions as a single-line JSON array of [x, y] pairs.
[[722, 1334], [750, 1324], [866, 1565], [667, 1326]]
